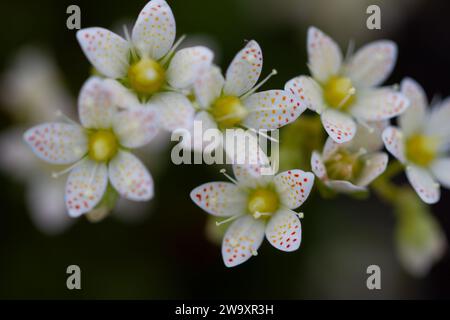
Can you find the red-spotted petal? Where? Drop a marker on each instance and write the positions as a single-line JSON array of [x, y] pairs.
[[96, 104], [308, 92], [379, 104], [242, 239], [57, 143], [130, 177], [220, 199], [136, 127], [106, 51], [293, 187], [424, 184], [154, 31], [372, 64], [175, 110], [244, 70], [208, 86], [317, 166], [339, 126], [272, 109], [187, 65], [374, 166], [324, 55], [284, 230], [393, 141], [85, 187], [412, 120]]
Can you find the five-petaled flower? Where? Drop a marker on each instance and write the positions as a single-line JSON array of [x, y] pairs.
[[421, 143], [232, 102], [146, 62], [98, 149], [346, 93], [259, 204], [351, 166]]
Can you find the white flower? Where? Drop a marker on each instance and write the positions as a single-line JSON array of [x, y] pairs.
[[231, 102], [260, 204], [146, 63], [98, 149], [345, 93], [351, 166], [421, 143]]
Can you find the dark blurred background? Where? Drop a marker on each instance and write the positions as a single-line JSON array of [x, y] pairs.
[[166, 254]]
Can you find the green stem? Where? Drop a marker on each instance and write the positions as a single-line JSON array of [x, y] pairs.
[[384, 187]]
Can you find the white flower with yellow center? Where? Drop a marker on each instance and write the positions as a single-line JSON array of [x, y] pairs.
[[259, 204], [146, 62], [421, 143], [232, 102], [345, 93], [98, 149], [351, 166]]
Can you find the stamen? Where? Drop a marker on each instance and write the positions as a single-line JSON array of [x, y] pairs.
[[365, 125], [60, 114], [274, 72], [130, 43], [224, 172], [350, 93], [361, 152], [350, 49], [258, 214], [300, 215], [254, 253], [171, 51], [56, 175], [260, 133]]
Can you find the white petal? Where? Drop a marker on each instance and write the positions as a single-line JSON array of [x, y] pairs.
[[106, 51], [374, 165], [307, 91], [368, 136], [197, 142], [293, 187], [339, 126], [136, 127], [284, 230], [379, 104], [242, 239], [96, 104], [45, 199], [331, 147], [441, 170], [130, 177], [344, 186], [187, 65], [244, 70], [438, 120], [424, 184], [317, 166], [85, 187], [394, 143], [412, 120], [57, 143], [222, 199], [271, 109], [208, 86], [175, 110], [124, 98], [324, 55], [154, 31], [372, 64]]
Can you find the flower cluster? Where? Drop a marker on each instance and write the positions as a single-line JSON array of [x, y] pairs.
[[145, 85]]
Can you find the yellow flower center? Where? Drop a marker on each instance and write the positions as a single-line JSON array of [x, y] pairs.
[[421, 149], [262, 202], [103, 145], [339, 92], [146, 76], [344, 165], [228, 111]]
